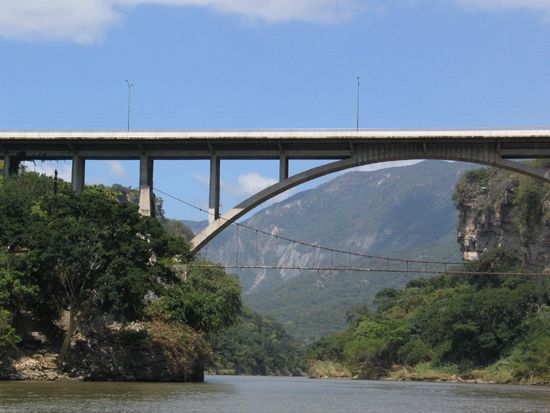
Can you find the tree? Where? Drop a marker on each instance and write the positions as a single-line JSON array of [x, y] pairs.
[[208, 299], [18, 195], [90, 251], [475, 326], [17, 292]]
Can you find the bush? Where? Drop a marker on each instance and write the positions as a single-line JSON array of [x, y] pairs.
[[8, 337], [208, 300], [530, 358]]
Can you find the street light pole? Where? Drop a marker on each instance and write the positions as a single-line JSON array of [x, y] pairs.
[[358, 87], [129, 97]]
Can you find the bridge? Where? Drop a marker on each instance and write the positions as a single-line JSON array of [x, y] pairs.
[[346, 148]]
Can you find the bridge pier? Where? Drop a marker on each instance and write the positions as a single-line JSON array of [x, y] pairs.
[[214, 196], [6, 166], [146, 199], [11, 165], [78, 173], [283, 168]]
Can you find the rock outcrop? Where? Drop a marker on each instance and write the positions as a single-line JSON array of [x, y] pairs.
[[502, 209], [152, 351]]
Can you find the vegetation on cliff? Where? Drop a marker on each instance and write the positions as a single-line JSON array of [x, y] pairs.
[[501, 208], [463, 325], [489, 327], [91, 257]]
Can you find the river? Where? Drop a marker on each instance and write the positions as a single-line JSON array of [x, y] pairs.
[[244, 394]]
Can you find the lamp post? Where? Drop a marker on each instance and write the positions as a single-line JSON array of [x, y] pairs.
[[358, 88], [129, 98]]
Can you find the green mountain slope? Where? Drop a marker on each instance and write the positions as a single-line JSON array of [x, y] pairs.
[[403, 212]]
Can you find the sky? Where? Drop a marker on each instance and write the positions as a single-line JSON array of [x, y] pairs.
[[257, 64]]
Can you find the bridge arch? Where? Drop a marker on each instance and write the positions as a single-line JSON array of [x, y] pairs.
[[483, 154]]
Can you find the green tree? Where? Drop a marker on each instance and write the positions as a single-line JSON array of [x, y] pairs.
[[475, 327], [257, 345], [17, 196], [90, 251], [376, 344], [207, 299]]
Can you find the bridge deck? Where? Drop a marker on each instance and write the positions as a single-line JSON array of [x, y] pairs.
[[282, 134], [350, 148], [250, 144]]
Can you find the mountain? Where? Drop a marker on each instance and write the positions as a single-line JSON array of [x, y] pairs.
[[403, 212], [195, 226]]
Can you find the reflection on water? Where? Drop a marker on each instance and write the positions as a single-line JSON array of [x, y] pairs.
[[270, 394]]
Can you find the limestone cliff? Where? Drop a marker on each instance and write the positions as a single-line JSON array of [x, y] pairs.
[[502, 209]]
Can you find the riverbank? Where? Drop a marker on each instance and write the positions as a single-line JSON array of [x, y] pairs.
[[149, 351], [499, 373]]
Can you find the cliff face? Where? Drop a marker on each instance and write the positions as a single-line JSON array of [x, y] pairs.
[[501, 209], [144, 351]]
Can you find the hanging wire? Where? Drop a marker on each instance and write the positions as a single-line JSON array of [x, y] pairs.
[[256, 260], [373, 270], [306, 244], [276, 249], [237, 246]]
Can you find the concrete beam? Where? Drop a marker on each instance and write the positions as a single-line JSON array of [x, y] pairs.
[[78, 173], [276, 135], [483, 154], [214, 198], [146, 200], [525, 153], [283, 168], [523, 169]]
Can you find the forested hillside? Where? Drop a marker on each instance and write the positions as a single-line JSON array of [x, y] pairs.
[[488, 327], [257, 345], [403, 212], [95, 290]]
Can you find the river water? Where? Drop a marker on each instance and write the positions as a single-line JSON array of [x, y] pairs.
[[244, 394]]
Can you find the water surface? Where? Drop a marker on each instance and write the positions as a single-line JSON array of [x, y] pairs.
[[244, 394]]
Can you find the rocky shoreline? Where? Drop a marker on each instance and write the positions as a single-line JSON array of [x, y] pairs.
[[145, 353]]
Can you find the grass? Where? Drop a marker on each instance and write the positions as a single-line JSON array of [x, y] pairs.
[[426, 372], [319, 369]]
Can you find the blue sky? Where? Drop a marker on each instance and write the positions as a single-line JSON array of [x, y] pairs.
[[232, 64]]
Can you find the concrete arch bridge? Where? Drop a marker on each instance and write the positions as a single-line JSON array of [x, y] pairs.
[[347, 149]]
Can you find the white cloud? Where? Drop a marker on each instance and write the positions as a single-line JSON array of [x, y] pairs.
[[249, 184], [48, 168], [246, 185], [203, 180], [322, 11], [84, 21], [384, 165], [81, 21], [117, 170]]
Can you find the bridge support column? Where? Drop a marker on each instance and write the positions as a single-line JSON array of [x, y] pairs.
[[283, 168], [6, 166], [146, 201], [78, 173], [11, 166], [214, 199]]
